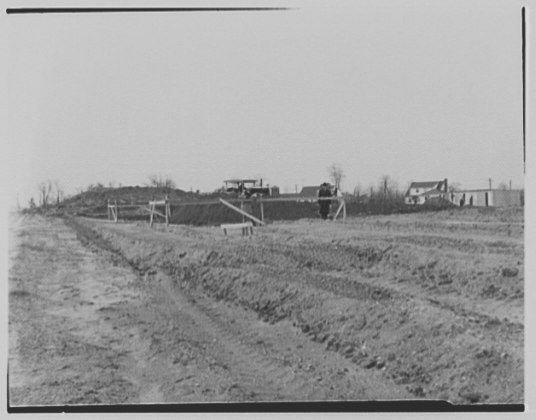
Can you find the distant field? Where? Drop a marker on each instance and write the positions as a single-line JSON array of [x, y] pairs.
[[404, 306]]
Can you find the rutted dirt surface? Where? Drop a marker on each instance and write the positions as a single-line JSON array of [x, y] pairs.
[[382, 307]]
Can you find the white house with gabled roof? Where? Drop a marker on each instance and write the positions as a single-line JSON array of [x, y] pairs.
[[421, 192]]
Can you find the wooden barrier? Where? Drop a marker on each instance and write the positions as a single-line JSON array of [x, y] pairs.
[[154, 212], [112, 211], [247, 227], [166, 215]]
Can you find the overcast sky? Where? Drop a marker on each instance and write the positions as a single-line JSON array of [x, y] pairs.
[[417, 90]]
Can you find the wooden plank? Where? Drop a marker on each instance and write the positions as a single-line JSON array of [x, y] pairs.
[[157, 213], [236, 225], [242, 212], [262, 211], [339, 210], [251, 200], [131, 206], [158, 203]]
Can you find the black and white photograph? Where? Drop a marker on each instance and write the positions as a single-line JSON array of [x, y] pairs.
[[232, 205]]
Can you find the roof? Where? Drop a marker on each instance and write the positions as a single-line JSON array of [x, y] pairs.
[[426, 184], [309, 191], [484, 190], [435, 191]]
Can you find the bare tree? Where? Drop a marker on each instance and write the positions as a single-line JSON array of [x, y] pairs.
[[336, 174], [44, 188], [454, 186], [357, 190], [160, 181], [59, 192], [388, 187]]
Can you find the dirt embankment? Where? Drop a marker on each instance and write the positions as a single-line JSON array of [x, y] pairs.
[[432, 303]]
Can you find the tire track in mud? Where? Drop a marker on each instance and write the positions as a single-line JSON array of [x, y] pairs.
[[276, 362], [385, 266], [345, 273], [421, 368], [246, 366], [262, 373], [256, 377]]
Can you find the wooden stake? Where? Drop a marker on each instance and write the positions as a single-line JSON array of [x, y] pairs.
[[166, 211]]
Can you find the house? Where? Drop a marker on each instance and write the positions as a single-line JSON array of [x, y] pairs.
[[486, 198], [307, 194], [421, 192]]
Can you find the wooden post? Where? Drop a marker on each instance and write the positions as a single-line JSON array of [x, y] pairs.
[[152, 214], [242, 208], [166, 211], [108, 209], [341, 206], [115, 213], [262, 211], [344, 211]]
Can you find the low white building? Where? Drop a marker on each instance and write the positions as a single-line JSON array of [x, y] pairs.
[[486, 198]]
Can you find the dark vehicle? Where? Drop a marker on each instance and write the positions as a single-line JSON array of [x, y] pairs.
[[250, 188]]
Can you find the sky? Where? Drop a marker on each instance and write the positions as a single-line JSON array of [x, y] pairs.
[[417, 90]]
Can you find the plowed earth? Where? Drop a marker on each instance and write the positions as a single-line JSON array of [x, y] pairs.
[[425, 305]]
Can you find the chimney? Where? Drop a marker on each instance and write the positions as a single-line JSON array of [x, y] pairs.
[[446, 184]]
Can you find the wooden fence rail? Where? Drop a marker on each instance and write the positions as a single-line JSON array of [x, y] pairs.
[[166, 215]]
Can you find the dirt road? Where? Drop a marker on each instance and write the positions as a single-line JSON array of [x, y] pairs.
[[386, 307]]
